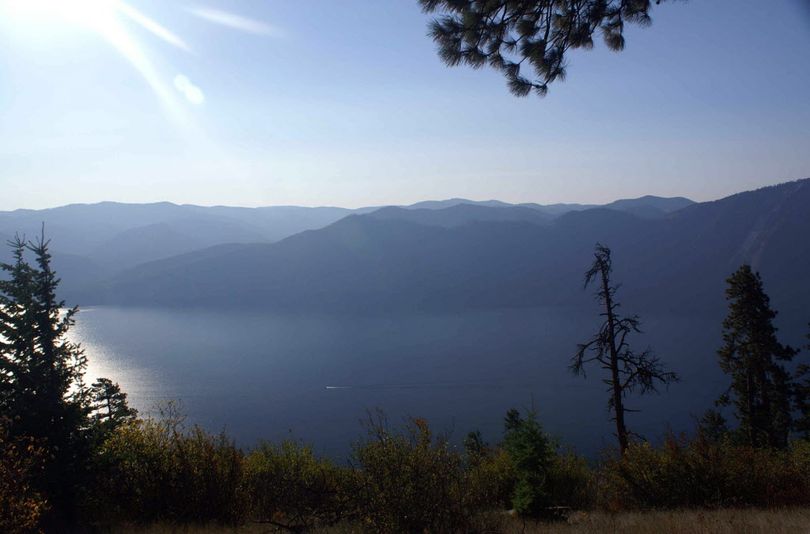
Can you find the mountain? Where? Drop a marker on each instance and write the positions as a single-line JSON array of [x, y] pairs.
[[111, 236], [461, 214], [409, 259], [93, 242], [84, 228], [450, 202], [650, 206]]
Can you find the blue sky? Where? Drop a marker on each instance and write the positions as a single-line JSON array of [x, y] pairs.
[[266, 102]]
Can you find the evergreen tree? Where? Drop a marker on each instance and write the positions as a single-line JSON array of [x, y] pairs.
[[532, 453], [513, 36], [109, 407], [627, 371], [802, 397], [760, 389], [42, 393]]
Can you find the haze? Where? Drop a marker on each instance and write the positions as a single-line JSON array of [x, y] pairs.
[[345, 103]]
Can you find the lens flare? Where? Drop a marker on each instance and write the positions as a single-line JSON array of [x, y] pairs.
[[106, 18]]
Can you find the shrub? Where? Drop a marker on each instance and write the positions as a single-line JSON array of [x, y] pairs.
[[21, 507], [707, 473], [415, 482], [290, 487], [491, 480], [570, 481], [151, 470]]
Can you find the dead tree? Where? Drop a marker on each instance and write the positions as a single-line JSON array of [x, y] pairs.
[[626, 371]]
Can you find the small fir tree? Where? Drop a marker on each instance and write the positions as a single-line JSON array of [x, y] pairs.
[[532, 453]]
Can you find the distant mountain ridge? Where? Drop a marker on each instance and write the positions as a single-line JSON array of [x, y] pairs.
[[98, 241], [420, 259]]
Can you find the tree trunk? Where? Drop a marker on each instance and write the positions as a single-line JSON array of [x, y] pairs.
[[751, 409], [618, 405]]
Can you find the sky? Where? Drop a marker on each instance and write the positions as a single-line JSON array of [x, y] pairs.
[[345, 103]]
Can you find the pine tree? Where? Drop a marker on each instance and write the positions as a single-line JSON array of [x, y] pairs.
[[761, 388], [42, 393], [802, 397], [109, 407], [513, 37], [532, 453], [627, 371]]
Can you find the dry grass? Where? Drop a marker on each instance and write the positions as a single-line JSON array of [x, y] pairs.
[[730, 521]]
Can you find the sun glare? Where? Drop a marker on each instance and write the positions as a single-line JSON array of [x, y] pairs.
[[90, 14], [46, 20]]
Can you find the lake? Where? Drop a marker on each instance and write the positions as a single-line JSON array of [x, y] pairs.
[[314, 377]]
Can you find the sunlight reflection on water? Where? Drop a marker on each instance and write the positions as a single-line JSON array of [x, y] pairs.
[[144, 387]]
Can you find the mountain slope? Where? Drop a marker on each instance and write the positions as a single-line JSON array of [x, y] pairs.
[[116, 236], [461, 214], [675, 263]]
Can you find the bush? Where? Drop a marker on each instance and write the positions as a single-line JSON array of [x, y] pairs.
[[292, 488], [415, 482], [570, 481], [707, 473], [491, 479], [152, 470], [21, 507]]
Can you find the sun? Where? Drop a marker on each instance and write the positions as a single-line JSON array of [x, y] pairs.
[[51, 21], [93, 15]]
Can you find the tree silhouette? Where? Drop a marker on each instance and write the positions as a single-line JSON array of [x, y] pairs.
[[802, 396], [760, 387], [515, 35], [627, 371], [42, 393], [109, 406]]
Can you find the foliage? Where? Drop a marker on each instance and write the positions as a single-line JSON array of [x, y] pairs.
[[109, 408], [801, 395], [512, 36], [492, 479], [413, 481], [531, 452], [155, 470], [290, 487], [760, 389], [702, 472], [20, 504], [627, 371], [544, 479], [713, 426], [571, 482], [41, 389]]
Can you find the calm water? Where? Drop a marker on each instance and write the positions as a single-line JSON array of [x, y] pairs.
[[266, 376]]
